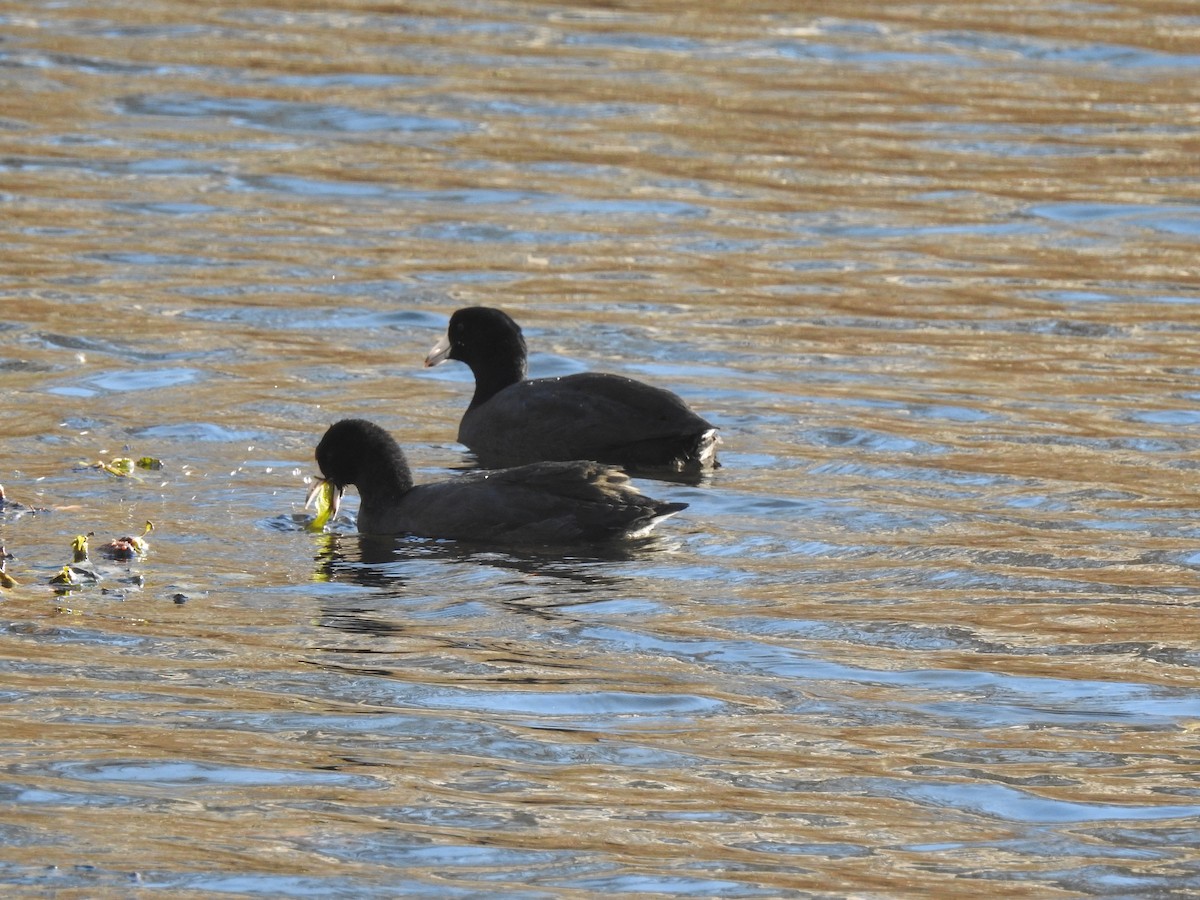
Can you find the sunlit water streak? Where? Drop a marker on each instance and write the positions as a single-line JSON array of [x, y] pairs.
[[930, 630]]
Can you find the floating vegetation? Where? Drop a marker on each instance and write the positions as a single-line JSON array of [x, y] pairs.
[[124, 466], [74, 575], [6, 580], [325, 495], [80, 570], [66, 576], [79, 547], [128, 547]]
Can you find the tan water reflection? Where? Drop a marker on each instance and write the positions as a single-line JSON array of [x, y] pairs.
[[931, 269]]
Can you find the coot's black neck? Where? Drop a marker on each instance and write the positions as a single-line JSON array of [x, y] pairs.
[[383, 474], [499, 369]]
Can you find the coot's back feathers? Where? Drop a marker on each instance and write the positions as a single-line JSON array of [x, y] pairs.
[[550, 502], [591, 415]]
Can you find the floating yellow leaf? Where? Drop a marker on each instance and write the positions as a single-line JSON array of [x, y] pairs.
[[140, 544], [66, 576], [6, 580], [79, 547], [325, 495]]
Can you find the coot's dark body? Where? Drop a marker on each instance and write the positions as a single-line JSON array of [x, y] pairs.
[[549, 502], [609, 418]]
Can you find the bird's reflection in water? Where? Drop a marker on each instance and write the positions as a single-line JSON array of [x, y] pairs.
[[398, 570], [379, 561]]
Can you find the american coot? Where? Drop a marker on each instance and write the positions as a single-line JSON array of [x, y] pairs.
[[591, 415], [549, 502]]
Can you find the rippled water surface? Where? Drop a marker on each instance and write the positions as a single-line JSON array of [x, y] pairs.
[[932, 629]]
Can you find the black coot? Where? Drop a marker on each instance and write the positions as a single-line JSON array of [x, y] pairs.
[[548, 502], [592, 415]]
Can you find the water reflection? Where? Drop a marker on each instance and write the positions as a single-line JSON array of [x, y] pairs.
[[387, 561], [930, 270]]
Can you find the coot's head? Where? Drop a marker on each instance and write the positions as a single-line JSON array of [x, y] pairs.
[[358, 452], [341, 450], [486, 339], [338, 457]]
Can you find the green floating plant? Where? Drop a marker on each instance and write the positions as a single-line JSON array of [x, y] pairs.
[[324, 494], [124, 466]]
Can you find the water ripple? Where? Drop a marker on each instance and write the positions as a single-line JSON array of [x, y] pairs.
[[286, 117]]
